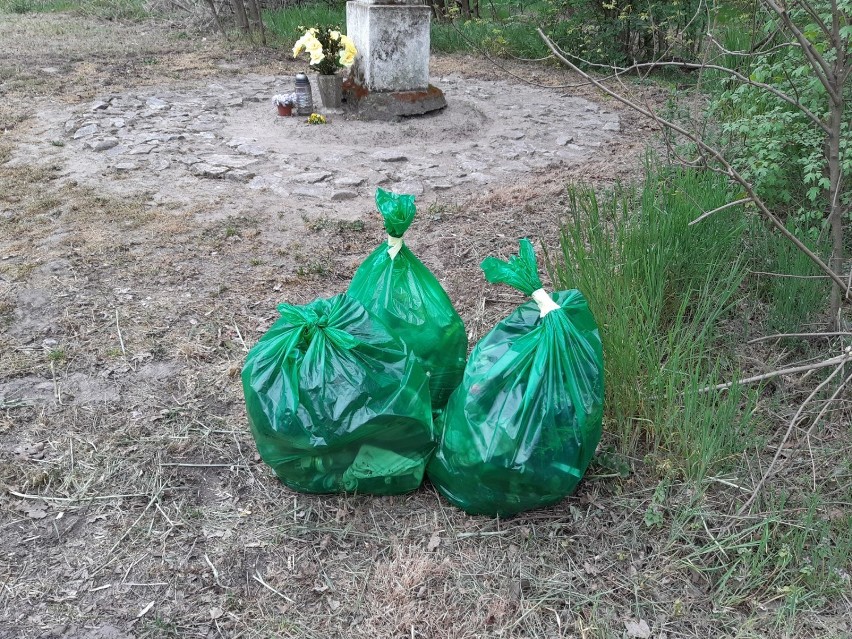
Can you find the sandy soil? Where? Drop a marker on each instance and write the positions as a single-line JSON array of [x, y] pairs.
[[154, 210]]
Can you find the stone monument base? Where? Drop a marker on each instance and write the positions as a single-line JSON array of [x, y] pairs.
[[390, 105]]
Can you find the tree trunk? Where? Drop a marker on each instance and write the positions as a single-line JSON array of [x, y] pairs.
[[240, 14], [216, 17], [256, 19], [835, 189]]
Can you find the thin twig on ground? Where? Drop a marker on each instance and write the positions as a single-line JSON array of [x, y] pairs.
[[804, 335], [771, 468], [840, 359]]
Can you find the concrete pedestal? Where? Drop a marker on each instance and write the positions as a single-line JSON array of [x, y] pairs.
[[392, 38]]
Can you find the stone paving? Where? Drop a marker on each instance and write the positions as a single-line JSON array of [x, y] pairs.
[[225, 142]]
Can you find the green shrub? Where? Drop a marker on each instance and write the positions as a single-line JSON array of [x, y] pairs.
[[622, 31], [771, 142]]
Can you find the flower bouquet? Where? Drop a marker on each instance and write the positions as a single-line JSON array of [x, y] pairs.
[[329, 49]]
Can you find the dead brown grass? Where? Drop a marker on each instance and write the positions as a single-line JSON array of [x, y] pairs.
[[133, 501]]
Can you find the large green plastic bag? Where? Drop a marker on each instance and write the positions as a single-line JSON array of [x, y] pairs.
[[520, 430], [337, 403], [395, 286]]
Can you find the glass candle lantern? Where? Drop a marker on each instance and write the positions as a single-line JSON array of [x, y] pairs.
[[304, 100]]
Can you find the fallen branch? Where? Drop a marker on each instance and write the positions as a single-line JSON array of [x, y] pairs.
[[839, 360], [805, 335], [256, 576], [771, 468], [834, 396], [790, 276], [73, 499]]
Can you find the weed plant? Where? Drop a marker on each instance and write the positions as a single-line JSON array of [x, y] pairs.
[[660, 290], [664, 294]]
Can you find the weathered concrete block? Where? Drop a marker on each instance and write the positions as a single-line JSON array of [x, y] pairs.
[[391, 105], [393, 44]]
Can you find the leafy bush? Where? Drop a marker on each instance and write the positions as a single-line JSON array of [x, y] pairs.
[[771, 142], [622, 31]]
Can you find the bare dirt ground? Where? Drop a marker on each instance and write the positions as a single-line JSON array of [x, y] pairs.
[[153, 212]]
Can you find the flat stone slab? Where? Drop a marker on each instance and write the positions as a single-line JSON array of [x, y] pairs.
[[203, 169], [85, 131], [231, 161], [386, 155], [312, 178]]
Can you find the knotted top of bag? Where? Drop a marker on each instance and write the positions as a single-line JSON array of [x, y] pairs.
[[398, 212], [520, 272], [318, 317]]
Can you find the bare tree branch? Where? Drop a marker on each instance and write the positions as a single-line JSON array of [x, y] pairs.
[[720, 208], [815, 17], [841, 360], [701, 66], [818, 64], [808, 335], [755, 52]]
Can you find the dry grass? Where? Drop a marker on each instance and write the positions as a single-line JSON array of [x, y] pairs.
[[134, 503]]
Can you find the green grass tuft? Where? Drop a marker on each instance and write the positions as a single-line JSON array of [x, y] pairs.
[[286, 23], [506, 29], [659, 290]]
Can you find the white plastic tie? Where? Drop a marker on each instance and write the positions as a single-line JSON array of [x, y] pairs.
[[394, 246], [545, 304]]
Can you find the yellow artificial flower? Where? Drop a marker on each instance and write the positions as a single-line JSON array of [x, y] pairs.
[[307, 42], [300, 45], [347, 58], [334, 35], [348, 53], [315, 49]]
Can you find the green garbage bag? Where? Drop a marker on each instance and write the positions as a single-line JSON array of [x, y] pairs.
[[396, 287], [520, 430], [337, 403]]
